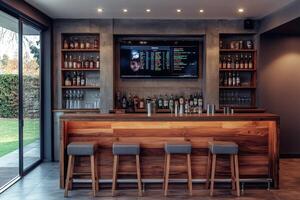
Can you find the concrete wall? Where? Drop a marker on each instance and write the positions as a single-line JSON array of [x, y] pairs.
[[279, 86]]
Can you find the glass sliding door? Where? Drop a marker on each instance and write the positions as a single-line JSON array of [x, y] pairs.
[[31, 101], [9, 98]]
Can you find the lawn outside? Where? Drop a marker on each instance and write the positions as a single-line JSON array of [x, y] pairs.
[[9, 133]]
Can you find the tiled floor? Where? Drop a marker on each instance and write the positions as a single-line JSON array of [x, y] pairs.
[[42, 184]]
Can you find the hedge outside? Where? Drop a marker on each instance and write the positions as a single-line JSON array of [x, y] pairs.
[[9, 105]]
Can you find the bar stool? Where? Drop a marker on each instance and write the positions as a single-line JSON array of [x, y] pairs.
[[177, 148], [227, 148], [82, 149], [126, 149]]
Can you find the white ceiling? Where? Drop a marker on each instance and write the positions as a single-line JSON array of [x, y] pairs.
[[160, 9]]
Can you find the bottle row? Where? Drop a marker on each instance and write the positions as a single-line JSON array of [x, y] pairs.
[[236, 44], [191, 104], [75, 79], [235, 99], [75, 99], [230, 79], [76, 43], [236, 61], [84, 62]]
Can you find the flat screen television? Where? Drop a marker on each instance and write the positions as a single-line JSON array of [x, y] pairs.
[[160, 57]]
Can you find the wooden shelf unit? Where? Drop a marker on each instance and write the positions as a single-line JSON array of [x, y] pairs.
[[88, 53], [232, 95]]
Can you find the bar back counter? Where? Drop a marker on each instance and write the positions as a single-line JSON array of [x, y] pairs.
[[257, 135]]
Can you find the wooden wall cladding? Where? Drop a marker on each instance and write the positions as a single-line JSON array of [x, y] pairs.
[[257, 140]]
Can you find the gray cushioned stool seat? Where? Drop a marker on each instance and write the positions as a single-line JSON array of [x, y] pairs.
[[81, 149], [220, 147], [126, 148], [178, 148]]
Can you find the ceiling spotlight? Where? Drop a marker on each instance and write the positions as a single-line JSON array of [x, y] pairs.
[[148, 10], [241, 10], [201, 10], [100, 10], [178, 10], [125, 10]]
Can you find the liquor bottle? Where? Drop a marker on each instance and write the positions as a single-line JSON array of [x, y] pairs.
[[66, 64], [68, 80], [160, 102], [224, 63], [98, 63], [124, 102], [225, 80], [86, 63], [229, 79], [200, 100], [70, 61], [78, 81], [142, 103], [96, 43], [135, 101], [76, 43], [186, 106], [118, 100], [87, 44], [74, 79], [233, 79], [66, 45], [91, 63], [221, 62], [237, 62], [82, 80], [74, 63], [166, 102], [82, 44], [71, 44], [191, 102], [195, 101], [229, 62], [242, 62], [171, 103], [250, 62], [130, 103], [238, 80], [79, 62], [221, 82], [246, 64]]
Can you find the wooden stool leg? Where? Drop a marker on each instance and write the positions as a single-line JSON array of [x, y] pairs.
[[208, 168], [92, 157], [115, 171], [232, 172], [164, 176], [68, 175], [213, 171], [237, 174], [72, 172], [167, 174], [138, 170], [96, 173], [189, 174]]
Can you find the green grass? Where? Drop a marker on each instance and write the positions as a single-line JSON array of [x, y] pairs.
[[9, 134]]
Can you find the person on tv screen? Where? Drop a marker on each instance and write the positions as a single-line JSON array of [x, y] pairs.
[[135, 63]]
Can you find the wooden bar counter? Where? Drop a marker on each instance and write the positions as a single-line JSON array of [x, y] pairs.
[[257, 135]]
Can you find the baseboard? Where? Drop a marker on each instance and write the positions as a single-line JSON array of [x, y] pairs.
[[289, 155]]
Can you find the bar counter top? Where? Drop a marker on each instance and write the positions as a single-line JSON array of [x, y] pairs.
[[170, 117]]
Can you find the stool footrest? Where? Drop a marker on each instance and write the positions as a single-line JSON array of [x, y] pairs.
[[127, 173]]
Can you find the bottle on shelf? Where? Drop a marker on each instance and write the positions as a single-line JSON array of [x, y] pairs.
[[250, 62], [82, 44], [135, 102], [70, 62], [79, 62], [242, 62], [98, 62], [186, 106], [124, 102], [160, 102], [246, 62], [76, 43], [229, 79], [87, 44], [71, 43], [74, 79], [96, 43], [66, 44], [86, 63], [142, 103], [171, 103], [225, 80], [74, 62], [166, 102], [91, 62], [68, 80], [233, 79], [78, 81], [229, 62], [238, 80], [82, 79], [66, 64], [237, 62]]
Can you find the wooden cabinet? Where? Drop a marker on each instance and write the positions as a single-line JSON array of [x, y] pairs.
[[80, 71]]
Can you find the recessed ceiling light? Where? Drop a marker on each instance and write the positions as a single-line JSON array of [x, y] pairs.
[[201, 10], [148, 10], [178, 10], [100, 10], [125, 10], [241, 10]]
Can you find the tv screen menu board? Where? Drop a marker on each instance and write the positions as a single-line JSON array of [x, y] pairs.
[[159, 59]]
